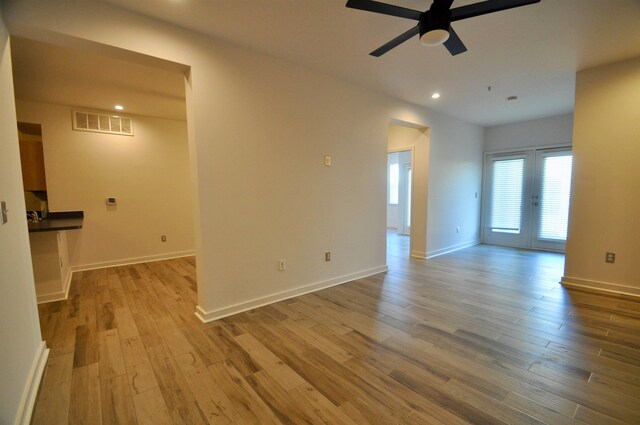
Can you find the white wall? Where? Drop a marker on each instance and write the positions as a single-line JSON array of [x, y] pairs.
[[605, 198], [455, 180], [417, 139], [19, 330], [557, 130], [278, 120], [147, 173]]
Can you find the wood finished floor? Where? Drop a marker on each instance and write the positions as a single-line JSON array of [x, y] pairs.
[[484, 335]]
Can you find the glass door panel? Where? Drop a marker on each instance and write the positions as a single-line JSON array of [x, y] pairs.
[[507, 192], [550, 201]]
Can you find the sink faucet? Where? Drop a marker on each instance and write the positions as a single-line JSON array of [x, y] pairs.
[[33, 216]]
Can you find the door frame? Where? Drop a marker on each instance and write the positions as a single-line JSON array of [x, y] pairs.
[[528, 183], [401, 170], [406, 168]]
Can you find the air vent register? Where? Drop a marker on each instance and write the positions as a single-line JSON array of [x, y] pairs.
[[102, 123]]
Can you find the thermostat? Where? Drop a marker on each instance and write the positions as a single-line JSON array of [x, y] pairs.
[[112, 201]]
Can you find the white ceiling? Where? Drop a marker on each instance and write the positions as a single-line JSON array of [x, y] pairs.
[[532, 52]]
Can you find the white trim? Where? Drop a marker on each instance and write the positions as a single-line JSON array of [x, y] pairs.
[[451, 248], [67, 282], [135, 260], [208, 316], [30, 392], [578, 283], [418, 254]]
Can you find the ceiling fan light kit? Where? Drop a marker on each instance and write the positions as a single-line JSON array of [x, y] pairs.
[[434, 25], [434, 37]]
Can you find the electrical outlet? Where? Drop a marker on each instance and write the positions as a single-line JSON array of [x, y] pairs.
[[282, 265], [327, 256], [610, 257], [163, 238]]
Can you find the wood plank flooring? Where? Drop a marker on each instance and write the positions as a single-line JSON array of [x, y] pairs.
[[485, 335]]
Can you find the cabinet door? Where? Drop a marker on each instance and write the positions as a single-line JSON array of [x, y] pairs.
[[32, 159]]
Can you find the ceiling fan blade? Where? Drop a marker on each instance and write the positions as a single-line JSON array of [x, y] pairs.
[[454, 45], [385, 9], [396, 41], [443, 3], [484, 7]]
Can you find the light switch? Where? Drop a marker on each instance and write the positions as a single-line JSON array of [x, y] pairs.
[[327, 160], [3, 212]]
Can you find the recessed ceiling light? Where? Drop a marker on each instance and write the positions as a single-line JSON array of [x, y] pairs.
[[119, 107], [435, 95], [512, 98]]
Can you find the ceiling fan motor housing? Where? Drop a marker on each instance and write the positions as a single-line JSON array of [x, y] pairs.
[[434, 25]]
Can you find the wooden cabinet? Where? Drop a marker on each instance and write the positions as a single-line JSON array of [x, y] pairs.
[[32, 159]]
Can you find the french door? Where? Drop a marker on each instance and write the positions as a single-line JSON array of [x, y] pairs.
[[527, 198]]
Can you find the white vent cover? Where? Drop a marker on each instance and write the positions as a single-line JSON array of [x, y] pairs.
[[102, 123]]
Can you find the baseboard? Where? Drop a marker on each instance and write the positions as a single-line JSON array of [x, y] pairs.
[[419, 254], [451, 248], [30, 393], [208, 316], [135, 260], [594, 285]]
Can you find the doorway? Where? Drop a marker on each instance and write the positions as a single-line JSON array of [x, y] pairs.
[[119, 180], [408, 147], [399, 178], [527, 197]]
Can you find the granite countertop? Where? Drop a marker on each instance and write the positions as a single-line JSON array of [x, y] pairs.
[[56, 221]]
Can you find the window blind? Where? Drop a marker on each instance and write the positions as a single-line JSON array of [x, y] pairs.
[[506, 201], [554, 197]]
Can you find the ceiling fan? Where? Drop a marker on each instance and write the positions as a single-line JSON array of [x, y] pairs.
[[434, 25]]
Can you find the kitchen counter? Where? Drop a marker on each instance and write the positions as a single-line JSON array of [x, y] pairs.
[[56, 221]]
